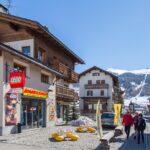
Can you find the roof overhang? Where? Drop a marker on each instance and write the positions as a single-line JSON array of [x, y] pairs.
[[15, 52], [36, 26]]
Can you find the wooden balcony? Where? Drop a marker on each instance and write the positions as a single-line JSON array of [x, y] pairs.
[[66, 94], [74, 77], [70, 75], [96, 86], [61, 68]]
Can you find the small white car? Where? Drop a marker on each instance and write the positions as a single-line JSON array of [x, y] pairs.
[[107, 119]]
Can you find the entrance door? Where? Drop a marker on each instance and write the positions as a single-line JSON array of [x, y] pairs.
[[33, 113]]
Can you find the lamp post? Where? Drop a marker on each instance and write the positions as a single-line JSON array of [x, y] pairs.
[[131, 107]]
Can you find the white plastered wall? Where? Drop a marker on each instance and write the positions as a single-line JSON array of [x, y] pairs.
[[33, 81], [23, 43], [96, 92]]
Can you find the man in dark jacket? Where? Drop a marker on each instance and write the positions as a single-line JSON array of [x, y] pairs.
[[141, 127]]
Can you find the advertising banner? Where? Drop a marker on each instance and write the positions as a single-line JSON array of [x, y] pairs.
[[117, 109], [10, 109], [98, 120], [35, 93]]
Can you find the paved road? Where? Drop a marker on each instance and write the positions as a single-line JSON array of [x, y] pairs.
[[39, 140]]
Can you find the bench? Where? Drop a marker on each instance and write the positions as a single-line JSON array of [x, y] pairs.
[[118, 131], [106, 139]]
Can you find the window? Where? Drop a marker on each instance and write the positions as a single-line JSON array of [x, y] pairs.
[[95, 106], [102, 92], [96, 74], [19, 67], [98, 82], [90, 82], [107, 116], [26, 50], [89, 93], [103, 82], [44, 78], [90, 107], [41, 55]]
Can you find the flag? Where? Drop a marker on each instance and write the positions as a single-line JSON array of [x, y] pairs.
[[117, 109], [98, 120]]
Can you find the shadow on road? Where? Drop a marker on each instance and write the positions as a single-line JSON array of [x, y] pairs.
[[132, 144]]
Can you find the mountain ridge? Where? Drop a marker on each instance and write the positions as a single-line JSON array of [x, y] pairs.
[[121, 71], [132, 81]]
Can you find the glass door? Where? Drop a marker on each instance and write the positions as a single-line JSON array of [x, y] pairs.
[[33, 113]]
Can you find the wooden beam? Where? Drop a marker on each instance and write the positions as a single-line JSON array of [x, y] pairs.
[[14, 26]]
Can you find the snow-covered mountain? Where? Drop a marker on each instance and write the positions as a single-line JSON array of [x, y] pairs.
[[120, 71], [133, 81]]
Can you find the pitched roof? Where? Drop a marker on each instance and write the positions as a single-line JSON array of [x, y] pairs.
[[40, 29], [28, 58], [101, 70]]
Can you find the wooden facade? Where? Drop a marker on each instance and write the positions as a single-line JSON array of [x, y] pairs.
[[57, 56], [63, 92]]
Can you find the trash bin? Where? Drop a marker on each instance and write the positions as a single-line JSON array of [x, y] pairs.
[[19, 127]]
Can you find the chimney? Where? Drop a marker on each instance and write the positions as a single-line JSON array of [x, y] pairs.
[[3, 9]]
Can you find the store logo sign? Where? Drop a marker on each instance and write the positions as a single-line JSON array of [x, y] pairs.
[[35, 93], [17, 79]]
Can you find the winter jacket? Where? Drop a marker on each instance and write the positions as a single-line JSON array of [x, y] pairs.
[[135, 121], [127, 120], [141, 124]]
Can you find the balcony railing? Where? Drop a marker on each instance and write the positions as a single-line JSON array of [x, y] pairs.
[[65, 92], [61, 68], [74, 77], [70, 75], [96, 86]]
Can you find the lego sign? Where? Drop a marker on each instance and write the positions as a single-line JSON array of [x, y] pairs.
[[17, 79]]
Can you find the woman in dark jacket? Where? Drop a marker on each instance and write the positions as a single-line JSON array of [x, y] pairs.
[[135, 122], [141, 127]]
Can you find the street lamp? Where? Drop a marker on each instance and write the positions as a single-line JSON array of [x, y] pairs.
[[131, 107]]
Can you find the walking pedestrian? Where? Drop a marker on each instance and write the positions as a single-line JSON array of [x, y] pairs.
[[135, 122], [141, 127], [127, 122]]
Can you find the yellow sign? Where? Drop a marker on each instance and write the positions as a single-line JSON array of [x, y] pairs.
[[117, 109], [34, 93]]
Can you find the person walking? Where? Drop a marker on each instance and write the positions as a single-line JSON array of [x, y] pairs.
[[127, 122], [135, 122], [141, 125]]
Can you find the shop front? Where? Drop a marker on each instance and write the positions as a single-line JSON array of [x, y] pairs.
[[33, 108]]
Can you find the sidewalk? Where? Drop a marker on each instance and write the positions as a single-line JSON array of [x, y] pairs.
[[131, 144]]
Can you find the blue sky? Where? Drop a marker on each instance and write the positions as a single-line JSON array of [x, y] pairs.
[[105, 33]]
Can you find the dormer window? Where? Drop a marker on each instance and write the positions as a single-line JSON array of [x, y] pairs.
[[26, 50]]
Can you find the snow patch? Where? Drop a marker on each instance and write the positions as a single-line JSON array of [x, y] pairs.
[[142, 101], [133, 83]]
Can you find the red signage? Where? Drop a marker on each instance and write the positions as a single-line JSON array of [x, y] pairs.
[[17, 79]]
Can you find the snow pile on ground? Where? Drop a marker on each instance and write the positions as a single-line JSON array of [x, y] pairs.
[[83, 121], [142, 101]]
